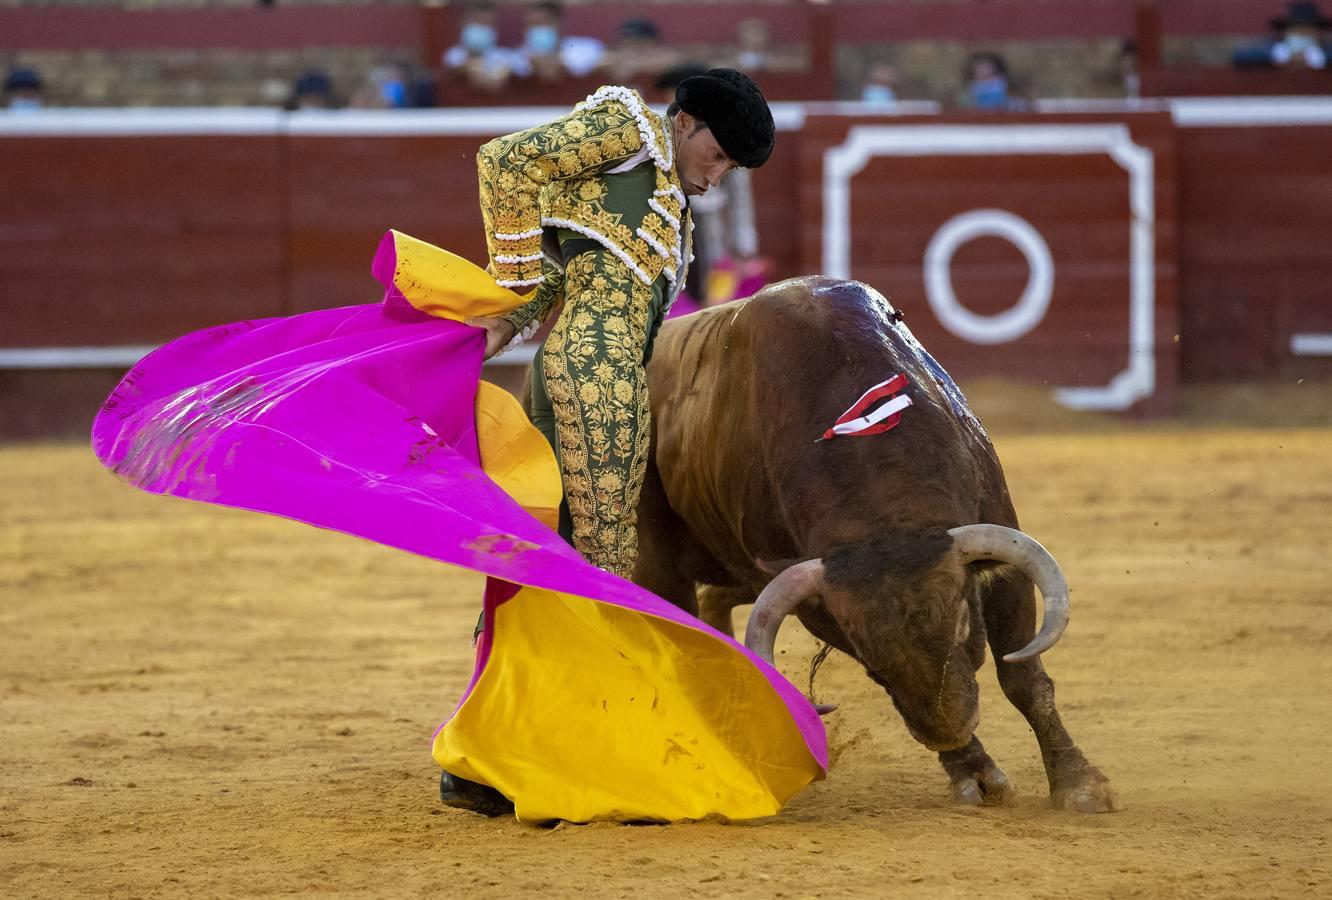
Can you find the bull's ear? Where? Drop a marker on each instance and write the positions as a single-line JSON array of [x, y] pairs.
[[774, 567]]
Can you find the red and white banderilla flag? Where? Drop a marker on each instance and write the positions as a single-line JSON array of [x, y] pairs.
[[858, 422]]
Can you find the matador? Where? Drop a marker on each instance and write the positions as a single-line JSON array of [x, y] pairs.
[[590, 213]]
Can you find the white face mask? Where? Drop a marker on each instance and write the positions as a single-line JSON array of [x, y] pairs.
[[478, 37], [25, 104], [1300, 43], [543, 39], [878, 93], [751, 59]]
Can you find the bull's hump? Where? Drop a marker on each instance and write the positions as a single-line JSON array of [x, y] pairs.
[[805, 309], [845, 312]]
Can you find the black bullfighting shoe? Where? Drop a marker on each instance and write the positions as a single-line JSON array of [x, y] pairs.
[[479, 798]]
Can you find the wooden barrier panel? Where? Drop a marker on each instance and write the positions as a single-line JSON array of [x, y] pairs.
[[1036, 247], [1255, 251], [344, 193], [136, 239], [1214, 81], [1044, 247]]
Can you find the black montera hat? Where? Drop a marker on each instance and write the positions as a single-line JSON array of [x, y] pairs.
[[733, 108], [1301, 14]]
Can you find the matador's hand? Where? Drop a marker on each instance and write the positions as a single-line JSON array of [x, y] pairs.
[[498, 333]]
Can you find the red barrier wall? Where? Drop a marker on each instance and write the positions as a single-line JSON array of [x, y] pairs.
[[117, 239], [1255, 251]]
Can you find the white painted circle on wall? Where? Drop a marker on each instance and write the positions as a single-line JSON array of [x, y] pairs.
[[1013, 322]]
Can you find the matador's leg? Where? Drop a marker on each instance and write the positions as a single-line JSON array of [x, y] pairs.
[[593, 363]]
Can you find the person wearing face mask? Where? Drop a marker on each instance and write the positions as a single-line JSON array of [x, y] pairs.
[[477, 56], [23, 90], [640, 53], [880, 86], [987, 84], [386, 87], [755, 51], [549, 52], [1299, 42]]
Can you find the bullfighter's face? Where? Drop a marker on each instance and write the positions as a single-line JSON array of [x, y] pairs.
[[922, 641], [699, 159]]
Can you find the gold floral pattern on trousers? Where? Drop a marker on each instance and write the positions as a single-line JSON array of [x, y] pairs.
[[593, 363]]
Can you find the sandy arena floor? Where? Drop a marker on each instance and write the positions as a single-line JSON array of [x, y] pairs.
[[202, 701]]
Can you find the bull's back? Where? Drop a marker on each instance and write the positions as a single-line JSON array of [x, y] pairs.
[[741, 392]]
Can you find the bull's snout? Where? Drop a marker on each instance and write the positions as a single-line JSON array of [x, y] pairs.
[[940, 739]]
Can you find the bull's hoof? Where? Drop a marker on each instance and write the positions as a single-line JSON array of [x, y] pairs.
[[989, 787], [460, 793], [1092, 795]]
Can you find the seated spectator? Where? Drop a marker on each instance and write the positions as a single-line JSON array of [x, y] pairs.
[[1130, 79], [386, 87], [313, 90], [24, 90], [477, 56], [639, 53], [755, 51], [551, 54], [988, 86], [880, 86], [1299, 42]]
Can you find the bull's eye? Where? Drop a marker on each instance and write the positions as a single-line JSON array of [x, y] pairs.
[[963, 624]]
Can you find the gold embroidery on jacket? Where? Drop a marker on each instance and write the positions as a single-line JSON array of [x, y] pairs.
[[552, 175]]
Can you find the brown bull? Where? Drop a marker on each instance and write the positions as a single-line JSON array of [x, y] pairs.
[[890, 546]]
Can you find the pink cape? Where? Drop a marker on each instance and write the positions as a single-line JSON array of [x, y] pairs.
[[363, 420]]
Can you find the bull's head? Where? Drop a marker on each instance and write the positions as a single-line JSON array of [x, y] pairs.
[[909, 620]]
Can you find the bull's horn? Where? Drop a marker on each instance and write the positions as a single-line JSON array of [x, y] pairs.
[[778, 600], [1011, 546]]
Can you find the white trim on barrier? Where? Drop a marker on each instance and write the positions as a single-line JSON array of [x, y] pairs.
[[134, 122], [1207, 112], [864, 142], [1188, 112], [479, 122], [267, 122], [1233, 112], [186, 121], [1311, 344], [73, 357], [1013, 322], [126, 356]]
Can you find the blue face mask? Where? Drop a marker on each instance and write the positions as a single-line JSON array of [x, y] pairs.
[[542, 39], [25, 104], [990, 93], [478, 38], [878, 93], [394, 93]]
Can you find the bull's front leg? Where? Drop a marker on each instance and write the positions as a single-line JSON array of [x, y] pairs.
[[1009, 606], [974, 778], [716, 603]]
